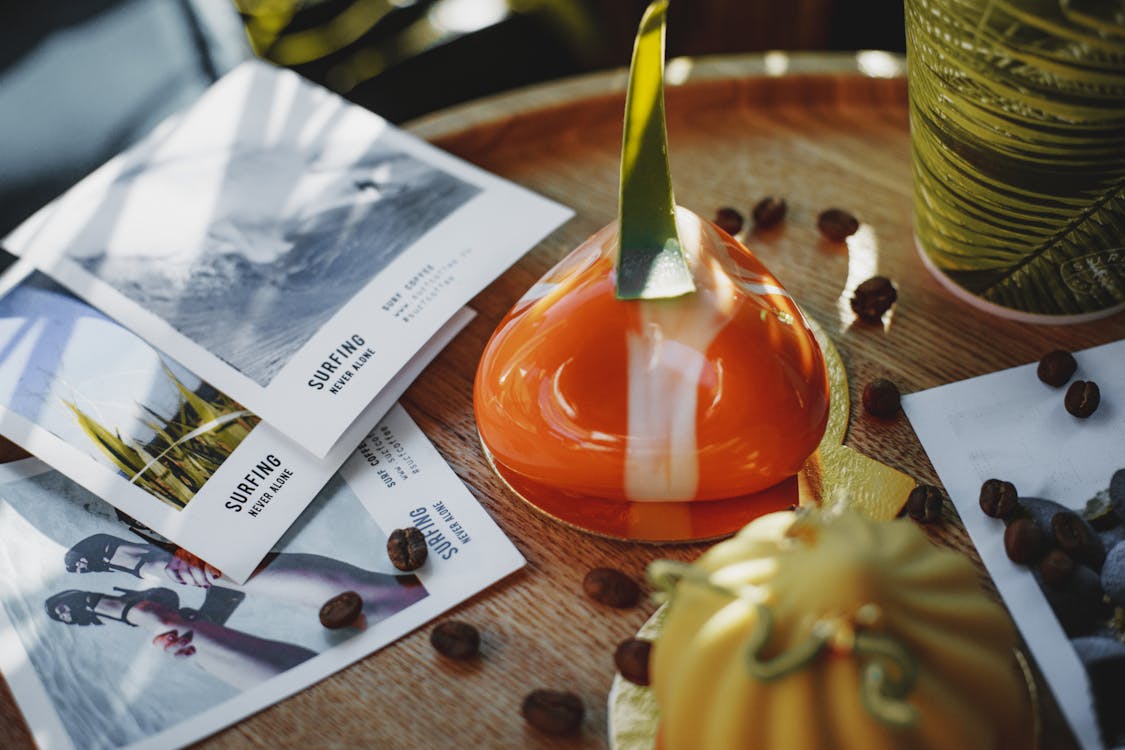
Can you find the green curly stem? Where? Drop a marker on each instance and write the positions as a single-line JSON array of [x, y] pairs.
[[787, 662], [888, 677], [667, 574], [888, 674]]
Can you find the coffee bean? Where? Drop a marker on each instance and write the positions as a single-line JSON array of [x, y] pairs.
[[612, 588], [1056, 568], [1075, 537], [553, 711], [881, 398], [1023, 541], [1056, 368], [837, 224], [924, 503], [1082, 398], [769, 211], [998, 498], [631, 658], [455, 639], [407, 548], [341, 611], [729, 220], [873, 297]]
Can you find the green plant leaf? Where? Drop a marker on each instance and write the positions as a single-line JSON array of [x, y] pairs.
[[650, 259]]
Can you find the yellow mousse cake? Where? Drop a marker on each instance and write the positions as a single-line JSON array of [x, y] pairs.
[[814, 631]]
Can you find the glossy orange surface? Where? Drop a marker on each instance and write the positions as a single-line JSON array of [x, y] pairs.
[[714, 395]]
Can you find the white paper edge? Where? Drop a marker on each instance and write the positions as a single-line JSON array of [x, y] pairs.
[[1049, 646], [234, 548], [321, 423]]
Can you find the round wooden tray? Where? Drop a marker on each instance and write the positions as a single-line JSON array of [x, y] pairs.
[[820, 130]]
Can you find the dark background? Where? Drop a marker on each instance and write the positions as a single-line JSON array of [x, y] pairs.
[[81, 80]]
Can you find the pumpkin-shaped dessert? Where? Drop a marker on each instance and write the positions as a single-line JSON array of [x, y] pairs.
[[809, 631]]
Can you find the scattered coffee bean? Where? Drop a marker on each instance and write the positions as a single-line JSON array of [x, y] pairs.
[[998, 498], [881, 398], [924, 503], [873, 297], [612, 588], [769, 211], [1023, 541], [1082, 398], [631, 658], [729, 220], [1056, 568], [455, 639], [1075, 537], [1057, 367], [407, 548], [553, 711], [341, 611], [837, 224]]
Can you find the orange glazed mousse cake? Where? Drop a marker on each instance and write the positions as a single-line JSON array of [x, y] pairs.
[[715, 394]]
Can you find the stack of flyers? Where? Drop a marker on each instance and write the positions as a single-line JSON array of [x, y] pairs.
[[205, 328]]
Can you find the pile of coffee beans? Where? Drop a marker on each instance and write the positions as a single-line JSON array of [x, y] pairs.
[[1078, 560]]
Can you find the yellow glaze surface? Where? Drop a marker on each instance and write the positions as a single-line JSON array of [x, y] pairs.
[[824, 569]]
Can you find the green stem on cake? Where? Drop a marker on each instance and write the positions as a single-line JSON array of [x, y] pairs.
[[650, 258]]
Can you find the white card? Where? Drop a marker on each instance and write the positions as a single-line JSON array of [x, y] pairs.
[[107, 685], [1008, 425], [135, 428], [292, 249]]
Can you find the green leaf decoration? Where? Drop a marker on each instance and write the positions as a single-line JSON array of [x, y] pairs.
[[650, 259]]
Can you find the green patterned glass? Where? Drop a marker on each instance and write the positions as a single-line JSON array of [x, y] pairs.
[[1017, 118]]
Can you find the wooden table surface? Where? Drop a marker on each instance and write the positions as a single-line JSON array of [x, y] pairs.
[[819, 130]]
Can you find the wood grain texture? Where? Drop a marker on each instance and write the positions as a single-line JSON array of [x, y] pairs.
[[819, 139]]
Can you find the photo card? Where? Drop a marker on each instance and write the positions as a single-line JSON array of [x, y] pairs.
[[1012, 427], [115, 640], [135, 427], [292, 249]]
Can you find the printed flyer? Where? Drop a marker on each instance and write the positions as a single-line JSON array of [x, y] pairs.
[[292, 249], [113, 640], [1010, 426], [135, 427]]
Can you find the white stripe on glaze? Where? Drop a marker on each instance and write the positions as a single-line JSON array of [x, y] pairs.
[[667, 357]]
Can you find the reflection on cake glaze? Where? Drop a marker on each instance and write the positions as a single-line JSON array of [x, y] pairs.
[[716, 394]]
